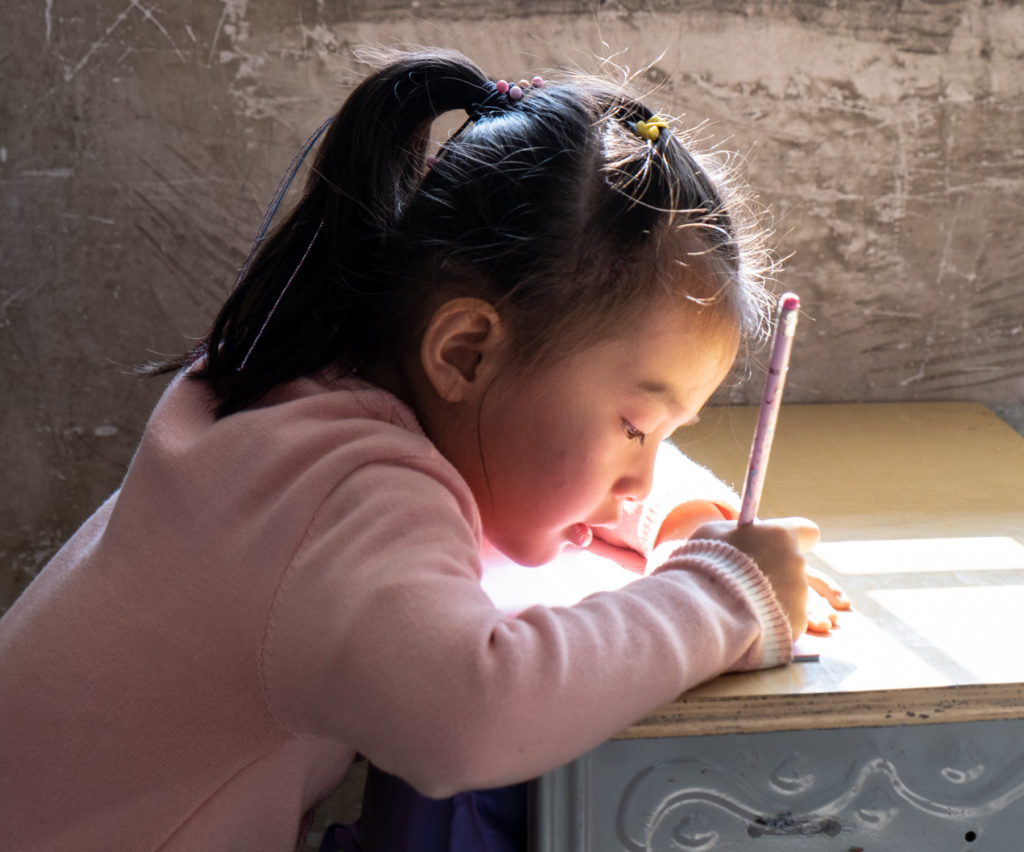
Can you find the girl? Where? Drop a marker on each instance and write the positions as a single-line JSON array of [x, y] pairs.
[[423, 356]]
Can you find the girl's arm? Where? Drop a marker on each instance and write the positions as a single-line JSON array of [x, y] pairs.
[[381, 637]]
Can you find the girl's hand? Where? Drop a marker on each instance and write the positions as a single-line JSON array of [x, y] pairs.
[[778, 547]]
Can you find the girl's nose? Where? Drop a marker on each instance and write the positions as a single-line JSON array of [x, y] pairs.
[[636, 483]]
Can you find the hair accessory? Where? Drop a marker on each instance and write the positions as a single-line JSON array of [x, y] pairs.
[[651, 128], [499, 94]]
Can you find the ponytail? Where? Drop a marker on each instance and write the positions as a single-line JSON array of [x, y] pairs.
[[311, 293]]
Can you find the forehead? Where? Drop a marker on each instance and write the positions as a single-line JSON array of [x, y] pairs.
[[676, 347], [675, 353]]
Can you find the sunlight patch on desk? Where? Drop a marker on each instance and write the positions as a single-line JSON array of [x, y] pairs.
[[858, 638], [978, 627], [912, 555]]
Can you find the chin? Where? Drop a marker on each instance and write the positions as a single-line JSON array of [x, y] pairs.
[[531, 554]]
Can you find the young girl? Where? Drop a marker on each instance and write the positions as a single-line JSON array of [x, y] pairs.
[[426, 358]]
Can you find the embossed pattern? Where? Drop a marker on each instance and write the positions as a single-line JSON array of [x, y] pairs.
[[951, 787]]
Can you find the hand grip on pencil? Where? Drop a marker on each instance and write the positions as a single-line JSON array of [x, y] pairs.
[[778, 365]]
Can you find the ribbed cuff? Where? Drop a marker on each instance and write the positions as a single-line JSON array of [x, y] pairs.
[[740, 573]]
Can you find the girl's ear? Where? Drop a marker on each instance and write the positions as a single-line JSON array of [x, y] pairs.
[[462, 348]]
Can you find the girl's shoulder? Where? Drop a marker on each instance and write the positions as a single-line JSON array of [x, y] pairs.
[[276, 465], [315, 429], [316, 408]]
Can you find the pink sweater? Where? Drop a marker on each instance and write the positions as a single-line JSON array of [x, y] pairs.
[[268, 594]]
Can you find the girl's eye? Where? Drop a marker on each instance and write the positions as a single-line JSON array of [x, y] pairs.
[[633, 433]]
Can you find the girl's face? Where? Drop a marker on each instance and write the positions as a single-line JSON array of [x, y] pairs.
[[560, 449]]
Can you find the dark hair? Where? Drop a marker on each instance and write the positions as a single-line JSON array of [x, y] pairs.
[[552, 207]]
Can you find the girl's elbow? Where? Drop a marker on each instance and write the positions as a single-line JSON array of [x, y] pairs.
[[466, 762]]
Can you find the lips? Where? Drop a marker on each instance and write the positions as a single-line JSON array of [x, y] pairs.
[[580, 535]]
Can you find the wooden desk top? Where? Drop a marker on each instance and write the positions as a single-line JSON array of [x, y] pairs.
[[921, 507]]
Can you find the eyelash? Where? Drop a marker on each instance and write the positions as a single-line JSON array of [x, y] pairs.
[[633, 433]]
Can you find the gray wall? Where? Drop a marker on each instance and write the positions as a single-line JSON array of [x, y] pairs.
[[140, 142]]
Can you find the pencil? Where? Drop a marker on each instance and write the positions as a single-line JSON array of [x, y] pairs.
[[778, 365]]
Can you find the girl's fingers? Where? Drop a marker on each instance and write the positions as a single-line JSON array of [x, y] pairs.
[[821, 618], [827, 588]]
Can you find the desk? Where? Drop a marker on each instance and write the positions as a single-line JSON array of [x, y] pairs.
[[909, 732]]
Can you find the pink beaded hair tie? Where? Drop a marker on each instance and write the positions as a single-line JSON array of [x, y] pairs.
[[497, 99], [515, 91], [500, 95]]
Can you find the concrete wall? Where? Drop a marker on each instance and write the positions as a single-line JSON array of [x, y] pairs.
[[140, 142]]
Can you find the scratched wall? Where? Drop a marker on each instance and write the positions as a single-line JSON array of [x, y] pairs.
[[140, 141]]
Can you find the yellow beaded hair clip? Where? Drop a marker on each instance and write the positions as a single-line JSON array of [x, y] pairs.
[[651, 129]]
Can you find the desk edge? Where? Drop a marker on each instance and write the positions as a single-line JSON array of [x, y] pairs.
[[804, 711]]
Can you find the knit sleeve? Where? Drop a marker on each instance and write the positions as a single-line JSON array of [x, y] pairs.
[[381, 637]]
